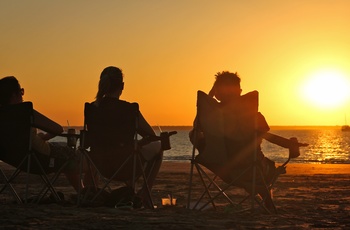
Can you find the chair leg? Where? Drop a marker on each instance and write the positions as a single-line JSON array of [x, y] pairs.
[[190, 185], [145, 179], [48, 184], [201, 173], [135, 158], [12, 189], [221, 191], [12, 177], [110, 179], [51, 182], [81, 168], [47, 181], [94, 172], [266, 195]]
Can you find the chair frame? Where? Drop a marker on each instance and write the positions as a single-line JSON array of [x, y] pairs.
[[29, 157], [222, 191], [135, 157]]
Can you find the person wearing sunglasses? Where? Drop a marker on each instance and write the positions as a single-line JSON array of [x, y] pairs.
[[42, 131]]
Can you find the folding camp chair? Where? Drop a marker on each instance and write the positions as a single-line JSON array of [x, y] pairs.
[[224, 132], [16, 151], [111, 148]]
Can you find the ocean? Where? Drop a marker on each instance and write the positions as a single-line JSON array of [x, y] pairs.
[[327, 145]]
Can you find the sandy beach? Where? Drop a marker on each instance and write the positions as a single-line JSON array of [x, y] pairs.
[[309, 196]]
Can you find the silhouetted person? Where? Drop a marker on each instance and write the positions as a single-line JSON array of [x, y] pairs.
[[12, 93], [110, 88], [243, 136]]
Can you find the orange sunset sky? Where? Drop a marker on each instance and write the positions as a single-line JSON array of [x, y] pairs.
[[296, 53]]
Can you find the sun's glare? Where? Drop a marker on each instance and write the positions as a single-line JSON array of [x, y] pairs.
[[326, 89]]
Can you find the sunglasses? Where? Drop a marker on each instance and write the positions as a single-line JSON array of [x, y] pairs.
[[21, 91]]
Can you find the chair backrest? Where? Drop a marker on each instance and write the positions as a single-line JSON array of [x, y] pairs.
[[229, 130], [210, 121], [111, 133], [16, 122], [15, 125]]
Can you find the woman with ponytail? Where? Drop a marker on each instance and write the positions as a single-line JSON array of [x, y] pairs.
[[110, 89]]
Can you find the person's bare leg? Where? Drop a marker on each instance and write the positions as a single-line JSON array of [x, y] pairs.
[[151, 173], [268, 202]]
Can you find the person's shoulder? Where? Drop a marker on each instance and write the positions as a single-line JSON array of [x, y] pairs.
[[127, 102], [130, 105]]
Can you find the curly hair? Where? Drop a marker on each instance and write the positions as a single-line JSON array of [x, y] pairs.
[[227, 78]]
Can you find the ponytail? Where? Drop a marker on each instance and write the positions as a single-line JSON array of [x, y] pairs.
[[111, 79], [103, 87]]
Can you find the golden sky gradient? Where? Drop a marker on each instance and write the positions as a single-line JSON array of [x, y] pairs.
[[287, 50]]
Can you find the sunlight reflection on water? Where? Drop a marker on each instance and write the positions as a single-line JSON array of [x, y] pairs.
[[325, 146]]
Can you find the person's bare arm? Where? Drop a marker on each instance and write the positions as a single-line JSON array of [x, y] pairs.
[[43, 123], [283, 142], [144, 128]]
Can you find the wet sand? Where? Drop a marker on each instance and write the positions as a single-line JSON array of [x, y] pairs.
[[309, 196]]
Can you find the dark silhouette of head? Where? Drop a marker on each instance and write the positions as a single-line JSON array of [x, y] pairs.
[[226, 86], [111, 83], [10, 91]]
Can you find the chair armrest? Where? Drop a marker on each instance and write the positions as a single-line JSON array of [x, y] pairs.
[[164, 138]]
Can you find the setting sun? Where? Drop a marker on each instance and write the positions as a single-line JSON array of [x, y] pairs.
[[326, 89]]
